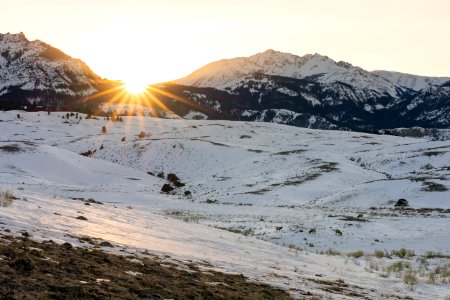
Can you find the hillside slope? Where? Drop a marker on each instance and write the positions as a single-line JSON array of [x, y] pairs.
[[264, 181]]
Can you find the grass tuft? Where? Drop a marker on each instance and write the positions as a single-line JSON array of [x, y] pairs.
[[6, 198]]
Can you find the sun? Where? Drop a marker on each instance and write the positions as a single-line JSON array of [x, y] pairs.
[[136, 86]]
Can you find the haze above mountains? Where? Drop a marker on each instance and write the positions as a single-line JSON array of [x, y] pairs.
[[309, 91]]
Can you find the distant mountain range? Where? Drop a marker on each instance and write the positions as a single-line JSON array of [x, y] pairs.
[[309, 91], [314, 91]]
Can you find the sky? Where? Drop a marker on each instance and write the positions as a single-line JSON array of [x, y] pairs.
[[151, 41]]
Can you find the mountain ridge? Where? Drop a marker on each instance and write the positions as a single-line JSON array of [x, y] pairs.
[[344, 95], [36, 72], [311, 91], [271, 62]]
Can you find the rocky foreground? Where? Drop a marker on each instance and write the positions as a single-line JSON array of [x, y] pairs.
[[47, 270]]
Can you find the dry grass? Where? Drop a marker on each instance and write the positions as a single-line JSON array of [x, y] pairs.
[[403, 253], [410, 278], [356, 254], [6, 198]]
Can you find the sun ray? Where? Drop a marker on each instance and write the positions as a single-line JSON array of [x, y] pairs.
[[181, 99]]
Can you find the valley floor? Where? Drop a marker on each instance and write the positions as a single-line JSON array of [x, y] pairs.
[[264, 186]]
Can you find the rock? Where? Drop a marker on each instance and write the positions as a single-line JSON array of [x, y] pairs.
[[187, 193], [166, 188], [22, 264], [67, 245], [106, 244], [82, 218], [178, 184], [160, 175], [312, 231], [402, 203], [338, 232], [66, 292], [172, 177]]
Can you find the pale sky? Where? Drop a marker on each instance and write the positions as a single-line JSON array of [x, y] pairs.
[[158, 40]]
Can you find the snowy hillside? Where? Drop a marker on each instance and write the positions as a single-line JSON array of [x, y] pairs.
[[263, 186]]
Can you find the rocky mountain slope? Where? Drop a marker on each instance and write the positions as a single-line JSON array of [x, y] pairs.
[[35, 72]]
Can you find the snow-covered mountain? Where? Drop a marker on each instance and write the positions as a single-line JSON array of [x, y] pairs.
[[33, 71], [315, 87], [430, 108], [413, 82], [311, 91], [231, 73]]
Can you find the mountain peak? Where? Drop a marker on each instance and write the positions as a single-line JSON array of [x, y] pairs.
[[13, 37], [270, 51], [30, 69], [232, 73]]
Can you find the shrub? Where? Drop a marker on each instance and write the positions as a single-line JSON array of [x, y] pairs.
[[397, 267], [356, 254], [404, 253], [333, 252], [431, 278], [211, 201], [432, 254], [6, 198], [240, 230], [410, 278], [294, 248], [103, 129], [379, 254], [141, 135]]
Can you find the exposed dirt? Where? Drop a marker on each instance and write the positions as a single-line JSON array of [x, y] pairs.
[[32, 270]]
